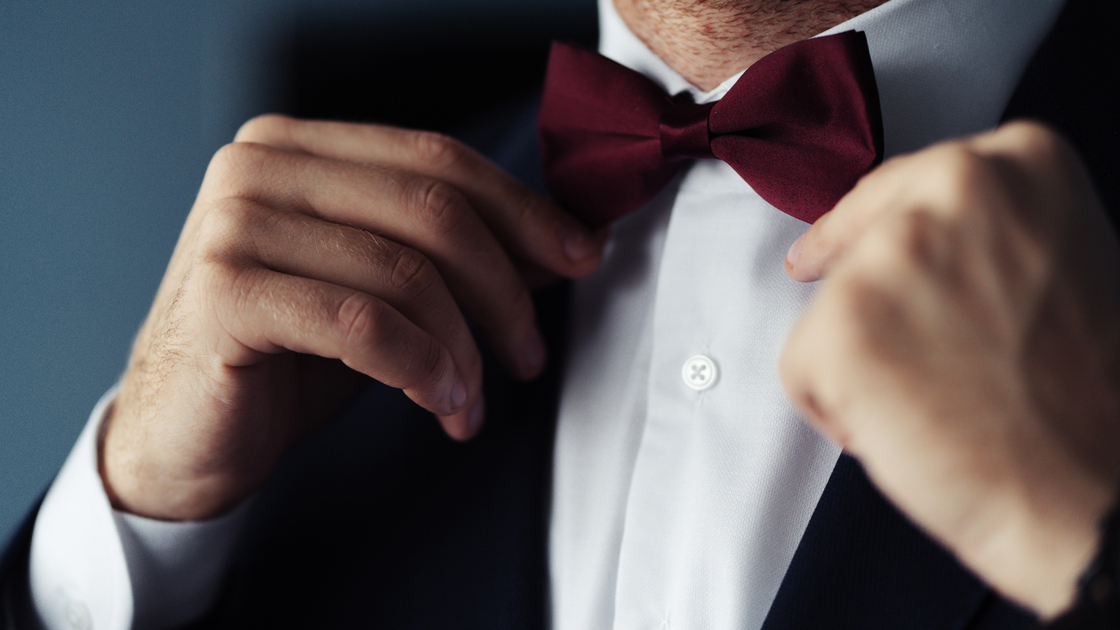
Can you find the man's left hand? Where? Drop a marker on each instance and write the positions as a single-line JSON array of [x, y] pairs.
[[965, 347]]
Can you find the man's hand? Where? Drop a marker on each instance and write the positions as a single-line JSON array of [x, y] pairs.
[[965, 346], [317, 253]]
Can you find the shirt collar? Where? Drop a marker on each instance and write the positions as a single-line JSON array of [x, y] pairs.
[[944, 68]]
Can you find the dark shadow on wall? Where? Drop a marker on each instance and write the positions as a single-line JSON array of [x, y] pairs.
[[435, 73]]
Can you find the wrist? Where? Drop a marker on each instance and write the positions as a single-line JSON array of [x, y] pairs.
[[1049, 534], [149, 484]]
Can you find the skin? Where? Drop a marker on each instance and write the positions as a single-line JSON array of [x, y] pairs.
[[708, 41], [965, 346], [317, 256]]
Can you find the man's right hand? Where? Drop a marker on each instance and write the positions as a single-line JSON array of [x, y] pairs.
[[317, 253]]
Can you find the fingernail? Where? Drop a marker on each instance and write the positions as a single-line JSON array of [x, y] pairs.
[[532, 355], [578, 246], [478, 414], [794, 252], [458, 392]]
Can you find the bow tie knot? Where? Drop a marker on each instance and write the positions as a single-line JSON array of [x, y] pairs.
[[684, 130], [801, 126]]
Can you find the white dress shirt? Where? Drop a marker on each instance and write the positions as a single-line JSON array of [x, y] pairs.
[[683, 478], [681, 508]]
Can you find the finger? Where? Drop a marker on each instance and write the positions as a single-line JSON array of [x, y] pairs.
[[299, 245], [803, 376], [424, 214], [267, 312], [950, 177], [530, 227], [814, 253], [884, 322], [1041, 170], [1023, 140]]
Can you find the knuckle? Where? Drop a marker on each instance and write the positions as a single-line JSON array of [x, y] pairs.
[[439, 151], [228, 223], [431, 365], [225, 278], [863, 310], [958, 178], [912, 242], [412, 274], [234, 155], [368, 250], [264, 128], [361, 321], [439, 206], [233, 166], [1032, 136], [529, 206], [1046, 151], [913, 236], [240, 286], [223, 217], [223, 294]]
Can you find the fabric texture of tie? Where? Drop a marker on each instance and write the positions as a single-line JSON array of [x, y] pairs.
[[801, 126]]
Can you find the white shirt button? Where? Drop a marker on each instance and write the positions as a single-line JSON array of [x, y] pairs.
[[699, 372]]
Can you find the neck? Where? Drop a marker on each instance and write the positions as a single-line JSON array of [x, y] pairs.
[[708, 41]]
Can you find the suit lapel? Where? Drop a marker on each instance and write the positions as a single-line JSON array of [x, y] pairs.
[[861, 564]]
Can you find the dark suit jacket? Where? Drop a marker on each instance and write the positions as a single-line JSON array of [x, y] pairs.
[[382, 521]]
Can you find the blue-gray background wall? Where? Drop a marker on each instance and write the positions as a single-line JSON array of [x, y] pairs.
[[109, 112]]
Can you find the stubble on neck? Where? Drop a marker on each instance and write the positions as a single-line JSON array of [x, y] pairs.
[[708, 41]]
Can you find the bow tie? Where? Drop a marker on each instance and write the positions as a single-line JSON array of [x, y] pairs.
[[801, 126]]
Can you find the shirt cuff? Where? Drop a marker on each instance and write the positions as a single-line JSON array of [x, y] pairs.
[[94, 567]]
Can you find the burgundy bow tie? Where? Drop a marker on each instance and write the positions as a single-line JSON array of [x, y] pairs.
[[800, 126]]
